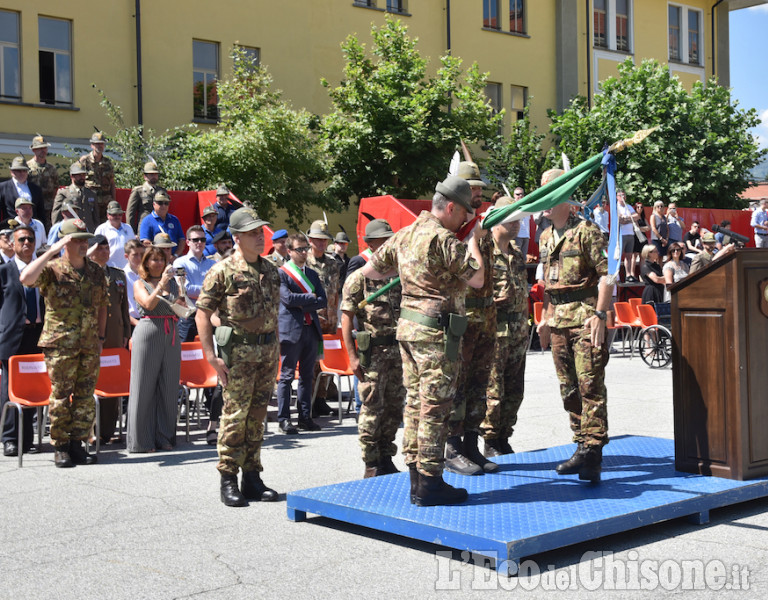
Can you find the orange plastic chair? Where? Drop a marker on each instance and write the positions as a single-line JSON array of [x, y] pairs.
[[647, 315], [626, 318], [335, 363], [634, 303], [538, 309], [28, 387], [114, 380], [196, 373]]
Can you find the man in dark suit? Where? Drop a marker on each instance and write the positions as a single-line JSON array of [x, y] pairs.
[[21, 321], [301, 295], [18, 187]]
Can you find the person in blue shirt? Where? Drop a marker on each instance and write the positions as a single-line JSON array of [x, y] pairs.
[[223, 206], [195, 267], [210, 228], [160, 221]]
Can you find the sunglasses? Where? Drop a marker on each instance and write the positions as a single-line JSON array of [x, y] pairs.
[[162, 203], [31, 240], [197, 240], [302, 249], [676, 250]]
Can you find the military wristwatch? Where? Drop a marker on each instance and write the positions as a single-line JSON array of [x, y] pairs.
[[601, 315]]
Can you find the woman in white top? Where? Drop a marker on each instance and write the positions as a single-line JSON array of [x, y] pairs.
[[675, 269]]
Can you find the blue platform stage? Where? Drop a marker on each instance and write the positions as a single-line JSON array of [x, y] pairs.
[[526, 508]]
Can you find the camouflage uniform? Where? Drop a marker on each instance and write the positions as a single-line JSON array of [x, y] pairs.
[[507, 379], [574, 265], [276, 259], [477, 345], [83, 202], [434, 267], [47, 177], [70, 342], [100, 178], [140, 203], [330, 276], [381, 389], [247, 296]]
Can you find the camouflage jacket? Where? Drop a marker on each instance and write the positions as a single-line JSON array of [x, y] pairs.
[[433, 266], [379, 318], [576, 261], [72, 302], [247, 295], [483, 314], [83, 202], [140, 203], [47, 177], [100, 177], [276, 259], [118, 321], [330, 276], [510, 279]]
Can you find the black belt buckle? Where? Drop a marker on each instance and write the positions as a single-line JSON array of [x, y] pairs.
[[442, 320]]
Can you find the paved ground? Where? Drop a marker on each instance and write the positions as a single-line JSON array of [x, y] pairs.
[[152, 526]]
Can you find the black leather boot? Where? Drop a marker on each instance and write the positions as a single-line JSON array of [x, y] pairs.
[[573, 464], [79, 455], [230, 494], [473, 453], [387, 467], [592, 465], [371, 469], [456, 461], [493, 448], [505, 447], [254, 488], [433, 491], [414, 481], [61, 457]]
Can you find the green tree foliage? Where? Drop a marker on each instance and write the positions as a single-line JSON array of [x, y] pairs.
[[264, 150], [393, 129], [519, 160], [702, 154]]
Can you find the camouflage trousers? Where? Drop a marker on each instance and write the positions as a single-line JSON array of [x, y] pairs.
[[73, 374], [507, 381], [252, 374], [383, 396], [430, 383], [477, 346], [580, 368]]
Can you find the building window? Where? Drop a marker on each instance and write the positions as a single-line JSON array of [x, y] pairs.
[[397, 6], [10, 73], [253, 54], [519, 96], [491, 14], [685, 34], [612, 24], [368, 3], [517, 16], [55, 58], [599, 17], [493, 92], [205, 60]]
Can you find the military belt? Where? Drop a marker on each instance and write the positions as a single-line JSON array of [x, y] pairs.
[[432, 322], [508, 316], [475, 302], [384, 340], [572, 296], [254, 339]]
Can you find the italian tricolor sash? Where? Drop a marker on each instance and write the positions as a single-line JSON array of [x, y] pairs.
[[295, 273]]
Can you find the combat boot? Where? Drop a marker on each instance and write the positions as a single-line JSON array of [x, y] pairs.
[[456, 461], [371, 469], [387, 467], [573, 464], [414, 481], [493, 448], [80, 455], [433, 491], [230, 494], [505, 447], [472, 453], [254, 488], [592, 465], [61, 457]]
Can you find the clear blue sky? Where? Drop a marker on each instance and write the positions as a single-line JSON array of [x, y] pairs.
[[749, 62]]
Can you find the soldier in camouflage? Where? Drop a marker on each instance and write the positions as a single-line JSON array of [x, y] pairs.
[[507, 378], [44, 175], [100, 173], [576, 298], [463, 456], [435, 268], [75, 292], [376, 360], [330, 276], [78, 198], [245, 290], [142, 196]]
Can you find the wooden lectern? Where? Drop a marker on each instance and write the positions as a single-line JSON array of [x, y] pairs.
[[720, 367]]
